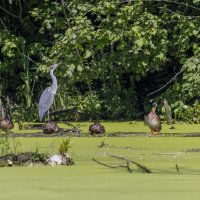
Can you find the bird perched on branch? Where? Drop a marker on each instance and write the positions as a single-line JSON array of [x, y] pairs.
[[153, 120], [96, 128], [48, 95]]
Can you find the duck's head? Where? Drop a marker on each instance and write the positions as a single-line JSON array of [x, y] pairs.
[[154, 106]]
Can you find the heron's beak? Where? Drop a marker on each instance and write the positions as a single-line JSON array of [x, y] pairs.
[[55, 65]]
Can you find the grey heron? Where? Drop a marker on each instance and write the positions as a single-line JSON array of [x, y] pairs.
[[48, 95]]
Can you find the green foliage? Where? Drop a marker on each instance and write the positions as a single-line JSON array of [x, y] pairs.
[[64, 146], [25, 114], [188, 114], [187, 88], [191, 81], [113, 48], [84, 105], [16, 144], [4, 145]]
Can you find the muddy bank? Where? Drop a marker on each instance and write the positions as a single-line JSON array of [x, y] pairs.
[[117, 134]]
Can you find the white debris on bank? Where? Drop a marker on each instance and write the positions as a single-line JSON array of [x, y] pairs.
[[58, 159]]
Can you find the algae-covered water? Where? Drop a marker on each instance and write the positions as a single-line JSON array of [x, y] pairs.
[[89, 180]]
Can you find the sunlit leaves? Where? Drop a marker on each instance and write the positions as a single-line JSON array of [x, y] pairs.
[[108, 45]]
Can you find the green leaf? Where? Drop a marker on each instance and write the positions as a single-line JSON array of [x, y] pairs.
[[196, 1], [139, 42], [79, 68], [137, 77], [87, 54], [71, 67], [182, 61], [195, 32]]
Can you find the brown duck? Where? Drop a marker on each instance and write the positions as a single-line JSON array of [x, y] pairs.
[[96, 128], [153, 120], [50, 128], [6, 124]]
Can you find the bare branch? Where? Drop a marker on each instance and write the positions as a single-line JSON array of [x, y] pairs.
[[165, 84], [13, 15], [105, 145], [100, 163], [189, 17], [143, 168], [63, 6], [68, 22], [166, 1], [9, 13], [27, 4], [114, 167], [177, 168], [127, 166], [20, 9]]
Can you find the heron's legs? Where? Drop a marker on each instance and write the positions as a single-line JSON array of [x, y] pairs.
[[48, 117]]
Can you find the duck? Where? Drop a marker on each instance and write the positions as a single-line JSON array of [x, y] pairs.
[[96, 128], [6, 124], [50, 127], [153, 120]]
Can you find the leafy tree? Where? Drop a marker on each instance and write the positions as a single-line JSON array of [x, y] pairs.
[[112, 53]]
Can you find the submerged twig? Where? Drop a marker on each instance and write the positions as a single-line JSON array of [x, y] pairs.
[[177, 168], [104, 164], [105, 145], [114, 167], [142, 167], [127, 166]]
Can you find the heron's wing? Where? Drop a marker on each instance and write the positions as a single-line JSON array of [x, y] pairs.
[[46, 100]]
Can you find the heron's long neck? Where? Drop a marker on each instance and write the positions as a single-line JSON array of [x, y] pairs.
[[54, 81]]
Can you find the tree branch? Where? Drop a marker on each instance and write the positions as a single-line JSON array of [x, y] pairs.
[[9, 13], [104, 164], [127, 166], [165, 84], [63, 6], [177, 168], [20, 9], [189, 17], [68, 22], [13, 15], [166, 1], [143, 168], [114, 167]]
